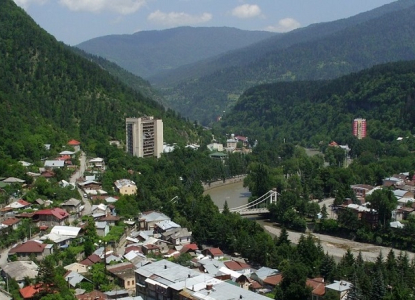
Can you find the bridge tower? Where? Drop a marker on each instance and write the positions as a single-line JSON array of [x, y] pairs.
[[273, 196]]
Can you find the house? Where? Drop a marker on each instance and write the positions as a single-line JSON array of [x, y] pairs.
[[62, 235], [165, 225], [19, 270], [30, 291], [177, 236], [11, 222], [360, 190], [50, 217], [111, 220], [18, 204], [268, 278], [125, 274], [125, 187], [25, 250], [119, 294], [77, 267], [214, 253], [150, 249], [91, 260], [189, 248], [238, 266], [72, 205], [73, 278], [90, 185], [94, 295], [13, 180], [149, 219], [210, 266], [318, 288], [99, 211], [340, 287], [52, 164], [162, 279], [75, 144], [97, 163], [215, 147], [102, 228]]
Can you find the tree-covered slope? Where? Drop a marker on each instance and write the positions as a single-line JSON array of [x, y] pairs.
[[147, 53], [48, 93], [244, 56], [315, 111], [384, 39]]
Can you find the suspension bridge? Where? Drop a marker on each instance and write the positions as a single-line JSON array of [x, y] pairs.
[[256, 207]]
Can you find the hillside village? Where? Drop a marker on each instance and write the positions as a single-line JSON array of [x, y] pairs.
[[149, 256]]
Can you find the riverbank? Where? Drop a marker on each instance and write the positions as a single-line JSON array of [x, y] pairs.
[[337, 247], [219, 183]]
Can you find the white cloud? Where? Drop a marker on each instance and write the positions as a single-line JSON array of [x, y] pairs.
[[118, 6], [26, 3], [178, 18], [284, 25], [246, 11]]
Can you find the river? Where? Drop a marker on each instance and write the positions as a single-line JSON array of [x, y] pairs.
[[234, 193]]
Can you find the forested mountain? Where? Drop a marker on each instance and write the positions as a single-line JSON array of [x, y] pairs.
[[382, 39], [48, 93], [133, 81], [147, 53], [311, 112], [244, 56]]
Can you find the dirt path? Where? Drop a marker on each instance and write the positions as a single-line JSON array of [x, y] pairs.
[[337, 247]]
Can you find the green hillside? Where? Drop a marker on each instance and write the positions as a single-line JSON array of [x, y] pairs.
[[249, 54], [383, 39], [49, 94], [310, 112], [148, 53]]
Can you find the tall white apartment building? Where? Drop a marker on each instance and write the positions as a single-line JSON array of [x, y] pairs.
[[144, 136]]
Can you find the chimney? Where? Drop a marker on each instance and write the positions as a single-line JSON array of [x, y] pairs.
[[165, 266], [209, 286]]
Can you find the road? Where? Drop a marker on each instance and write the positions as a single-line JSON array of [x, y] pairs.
[[337, 247], [79, 173]]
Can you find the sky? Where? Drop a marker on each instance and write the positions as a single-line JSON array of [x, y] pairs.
[[76, 21]]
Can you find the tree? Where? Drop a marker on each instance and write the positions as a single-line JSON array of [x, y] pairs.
[[383, 202], [292, 286], [324, 213], [355, 292], [283, 237]]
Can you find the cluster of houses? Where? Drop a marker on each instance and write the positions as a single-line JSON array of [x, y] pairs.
[[134, 268], [403, 188], [233, 144]]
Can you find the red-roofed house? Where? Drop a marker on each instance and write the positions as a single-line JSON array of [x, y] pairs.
[[272, 281], [215, 253], [19, 204], [75, 144], [237, 266], [318, 286], [25, 250], [90, 260], [30, 291], [11, 222], [50, 217], [189, 248], [94, 295]]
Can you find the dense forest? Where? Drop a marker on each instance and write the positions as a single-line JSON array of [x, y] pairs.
[[384, 39], [48, 93], [315, 112], [147, 53]]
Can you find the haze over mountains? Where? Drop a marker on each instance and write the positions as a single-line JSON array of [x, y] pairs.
[[203, 90], [147, 53]]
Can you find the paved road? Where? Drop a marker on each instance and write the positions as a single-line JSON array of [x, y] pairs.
[[78, 174]]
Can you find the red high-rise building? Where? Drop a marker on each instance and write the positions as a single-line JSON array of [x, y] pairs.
[[359, 128]]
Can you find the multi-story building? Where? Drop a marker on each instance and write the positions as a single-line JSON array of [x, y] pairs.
[[359, 128], [144, 136]]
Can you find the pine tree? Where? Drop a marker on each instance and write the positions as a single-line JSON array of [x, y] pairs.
[[355, 292], [378, 290], [327, 267], [324, 213], [283, 237]]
